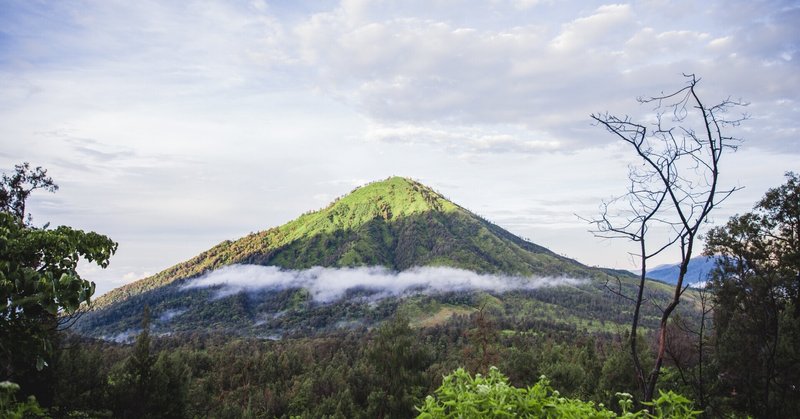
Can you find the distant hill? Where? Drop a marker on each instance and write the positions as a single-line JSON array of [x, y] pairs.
[[398, 225], [699, 268]]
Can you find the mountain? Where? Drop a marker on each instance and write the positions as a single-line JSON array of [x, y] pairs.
[[698, 270], [397, 224]]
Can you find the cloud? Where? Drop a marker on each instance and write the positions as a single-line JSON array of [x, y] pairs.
[[651, 45], [586, 31], [527, 4], [128, 336], [170, 314], [330, 284], [465, 139], [546, 75], [397, 63]]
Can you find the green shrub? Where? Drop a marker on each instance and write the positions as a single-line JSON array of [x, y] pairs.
[[12, 409], [464, 396]]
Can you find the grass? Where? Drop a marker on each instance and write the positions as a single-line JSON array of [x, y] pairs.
[[442, 316]]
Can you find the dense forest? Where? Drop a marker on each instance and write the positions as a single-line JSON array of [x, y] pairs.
[[382, 372]]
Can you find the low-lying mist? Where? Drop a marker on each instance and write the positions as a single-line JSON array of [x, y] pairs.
[[330, 284]]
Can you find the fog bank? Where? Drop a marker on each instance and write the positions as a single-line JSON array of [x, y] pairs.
[[330, 284]]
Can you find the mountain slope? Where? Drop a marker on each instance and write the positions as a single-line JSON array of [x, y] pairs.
[[398, 223]]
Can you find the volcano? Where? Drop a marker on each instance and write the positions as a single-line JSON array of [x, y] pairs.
[[397, 225]]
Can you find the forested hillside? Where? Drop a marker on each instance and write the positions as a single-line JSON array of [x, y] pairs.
[[398, 224], [358, 373]]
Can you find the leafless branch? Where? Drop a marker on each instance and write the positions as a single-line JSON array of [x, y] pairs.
[[673, 190]]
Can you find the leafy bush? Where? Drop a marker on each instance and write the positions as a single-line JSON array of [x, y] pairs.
[[11, 408], [464, 396]]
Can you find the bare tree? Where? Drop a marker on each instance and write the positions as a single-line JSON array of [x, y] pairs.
[[688, 346], [671, 192]]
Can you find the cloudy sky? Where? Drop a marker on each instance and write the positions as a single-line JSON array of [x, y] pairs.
[[171, 126]]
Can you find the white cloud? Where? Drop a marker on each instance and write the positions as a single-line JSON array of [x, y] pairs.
[[585, 32], [527, 4], [721, 43], [330, 284], [466, 139], [651, 45], [543, 75], [404, 63], [168, 315]]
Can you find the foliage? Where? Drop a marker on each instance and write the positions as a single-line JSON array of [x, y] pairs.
[[354, 373], [482, 351], [618, 374], [17, 187], [669, 405], [10, 408], [398, 363], [351, 373], [81, 372], [690, 347], [145, 385], [38, 279], [757, 297], [38, 267], [463, 396]]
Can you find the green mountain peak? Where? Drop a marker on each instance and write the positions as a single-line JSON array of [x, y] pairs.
[[398, 223], [389, 199]]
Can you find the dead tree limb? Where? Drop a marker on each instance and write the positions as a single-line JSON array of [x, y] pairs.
[[672, 189]]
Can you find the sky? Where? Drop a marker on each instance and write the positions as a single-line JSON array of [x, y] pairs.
[[172, 126]]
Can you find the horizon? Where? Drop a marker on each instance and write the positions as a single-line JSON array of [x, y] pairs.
[[173, 127]]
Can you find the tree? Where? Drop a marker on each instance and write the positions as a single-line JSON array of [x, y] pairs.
[[17, 187], [482, 352], [398, 364], [671, 191], [38, 278], [690, 348], [146, 385], [756, 288]]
